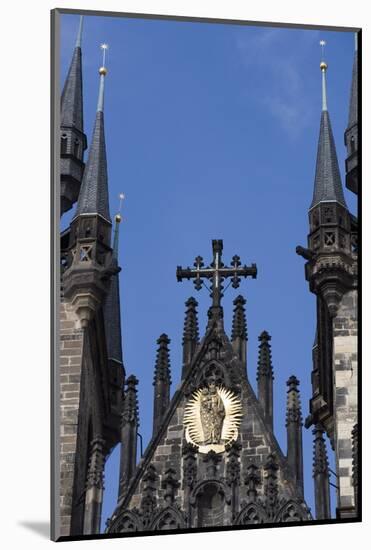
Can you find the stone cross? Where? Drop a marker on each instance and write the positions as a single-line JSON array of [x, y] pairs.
[[216, 272]]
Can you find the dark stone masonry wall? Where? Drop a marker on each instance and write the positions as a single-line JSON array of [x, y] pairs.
[[71, 350], [346, 369]]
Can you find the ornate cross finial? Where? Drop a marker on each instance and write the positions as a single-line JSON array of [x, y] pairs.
[[216, 272]]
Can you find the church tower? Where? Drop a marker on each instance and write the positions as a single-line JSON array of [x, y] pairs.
[[73, 140], [213, 459], [331, 271], [91, 363]]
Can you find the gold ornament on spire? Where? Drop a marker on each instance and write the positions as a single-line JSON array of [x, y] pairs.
[[118, 217], [103, 69], [323, 64]]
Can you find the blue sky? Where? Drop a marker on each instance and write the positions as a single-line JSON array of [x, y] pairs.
[[212, 132]]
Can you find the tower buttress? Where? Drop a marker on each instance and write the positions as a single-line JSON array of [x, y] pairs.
[[72, 138], [94, 487], [190, 334], [321, 475], [239, 329], [294, 432], [351, 132], [265, 377], [89, 264], [112, 325], [129, 434]]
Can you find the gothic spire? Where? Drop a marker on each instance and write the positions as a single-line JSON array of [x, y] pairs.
[[112, 311], [93, 198], [72, 138], [321, 475], [294, 426], [190, 333], [265, 377], [71, 101], [161, 382], [327, 184]]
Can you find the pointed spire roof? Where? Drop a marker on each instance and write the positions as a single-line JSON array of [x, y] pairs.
[[265, 367], [112, 310], [190, 331], [93, 197], [327, 183], [71, 100], [239, 325], [353, 104], [293, 409], [162, 366]]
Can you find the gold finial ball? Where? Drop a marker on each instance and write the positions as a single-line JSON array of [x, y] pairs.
[[103, 71], [323, 66], [118, 218]]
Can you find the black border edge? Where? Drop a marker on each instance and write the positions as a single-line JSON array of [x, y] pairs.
[[54, 250]]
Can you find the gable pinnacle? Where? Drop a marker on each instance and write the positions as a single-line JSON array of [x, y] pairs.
[[293, 411], [130, 413], [265, 367], [239, 325], [190, 331], [162, 366]]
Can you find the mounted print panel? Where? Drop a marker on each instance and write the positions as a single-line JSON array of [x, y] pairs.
[[204, 158]]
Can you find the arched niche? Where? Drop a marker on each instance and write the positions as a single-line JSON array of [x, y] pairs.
[[209, 500], [291, 512], [127, 522], [251, 514], [168, 519]]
